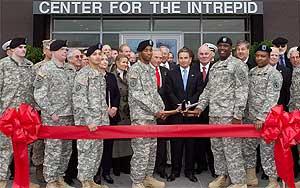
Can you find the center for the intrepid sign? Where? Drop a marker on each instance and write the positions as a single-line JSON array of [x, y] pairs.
[[148, 7]]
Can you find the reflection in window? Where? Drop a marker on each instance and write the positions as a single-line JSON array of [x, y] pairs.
[[219, 25], [126, 25], [213, 38], [79, 40], [111, 39], [192, 41], [76, 25], [177, 25]]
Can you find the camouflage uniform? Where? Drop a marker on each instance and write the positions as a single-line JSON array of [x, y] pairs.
[[16, 85], [38, 147], [53, 91], [144, 101], [89, 108], [264, 91], [226, 94], [295, 90]]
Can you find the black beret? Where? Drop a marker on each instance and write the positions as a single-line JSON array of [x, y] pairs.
[[17, 42], [142, 45], [279, 41], [93, 48], [298, 48], [225, 39], [264, 48], [58, 44]]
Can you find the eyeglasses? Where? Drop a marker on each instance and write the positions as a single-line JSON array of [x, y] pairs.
[[78, 56], [280, 45]]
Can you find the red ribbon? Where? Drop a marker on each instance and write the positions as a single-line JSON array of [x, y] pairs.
[[283, 128], [24, 126]]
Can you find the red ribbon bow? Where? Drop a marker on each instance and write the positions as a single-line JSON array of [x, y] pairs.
[[283, 128], [22, 126]]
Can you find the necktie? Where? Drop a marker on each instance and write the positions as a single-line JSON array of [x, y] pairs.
[[203, 73], [184, 78], [282, 60], [157, 77]]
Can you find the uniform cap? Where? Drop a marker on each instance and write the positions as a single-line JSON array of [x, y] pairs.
[[142, 45], [93, 48], [280, 41], [264, 48], [5, 46], [58, 44], [17, 42], [225, 39], [212, 47]]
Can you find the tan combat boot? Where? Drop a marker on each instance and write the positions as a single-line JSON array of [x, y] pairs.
[[251, 177], [63, 183], [220, 181], [39, 173], [273, 183], [3, 183], [92, 184], [54, 184], [33, 185], [150, 182], [137, 185], [237, 186]]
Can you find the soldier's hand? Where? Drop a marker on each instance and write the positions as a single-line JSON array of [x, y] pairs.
[[92, 127], [236, 121], [192, 113], [55, 118], [258, 124], [112, 111], [158, 114]]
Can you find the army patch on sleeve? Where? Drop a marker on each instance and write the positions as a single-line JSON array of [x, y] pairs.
[[78, 88], [133, 82], [276, 85], [242, 76]]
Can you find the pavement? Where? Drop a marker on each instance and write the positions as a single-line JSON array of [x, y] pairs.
[[123, 181]]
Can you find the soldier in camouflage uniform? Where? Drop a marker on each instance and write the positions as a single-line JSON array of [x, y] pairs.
[[16, 85], [145, 106], [90, 110], [39, 146], [52, 91], [226, 94], [264, 90]]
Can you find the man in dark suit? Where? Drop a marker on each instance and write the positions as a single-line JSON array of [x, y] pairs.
[[203, 154], [281, 44], [182, 84], [165, 58], [160, 74], [243, 53]]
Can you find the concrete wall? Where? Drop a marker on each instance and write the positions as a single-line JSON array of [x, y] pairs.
[[282, 18], [16, 20]]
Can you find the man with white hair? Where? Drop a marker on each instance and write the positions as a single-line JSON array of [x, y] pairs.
[[74, 58], [165, 51]]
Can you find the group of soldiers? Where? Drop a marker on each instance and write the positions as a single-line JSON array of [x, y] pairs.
[[65, 96]]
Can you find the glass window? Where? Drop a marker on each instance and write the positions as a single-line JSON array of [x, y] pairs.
[[192, 41], [111, 39], [126, 25], [76, 25], [213, 38], [177, 25], [78, 40], [219, 25]]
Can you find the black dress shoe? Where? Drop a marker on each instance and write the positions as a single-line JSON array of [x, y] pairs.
[[116, 172], [264, 176], [97, 179], [163, 174], [199, 170], [108, 179], [191, 177], [172, 177]]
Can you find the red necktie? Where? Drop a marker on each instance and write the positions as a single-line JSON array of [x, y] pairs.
[[157, 77], [203, 73]]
